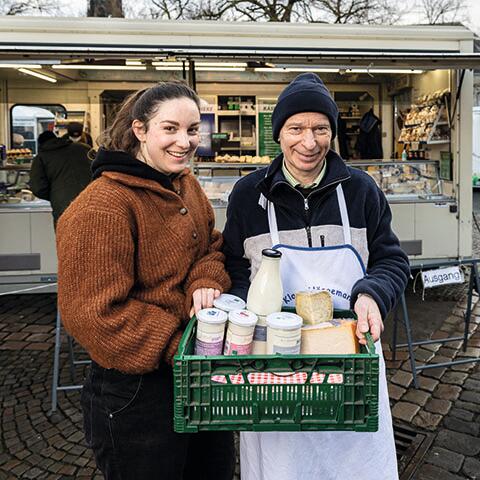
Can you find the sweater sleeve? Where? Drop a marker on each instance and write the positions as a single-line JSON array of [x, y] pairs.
[[234, 235], [96, 274], [209, 270], [388, 267], [39, 183]]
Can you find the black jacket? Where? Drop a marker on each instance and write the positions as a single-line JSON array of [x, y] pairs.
[[60, 171], [315, 221], [369, 142]]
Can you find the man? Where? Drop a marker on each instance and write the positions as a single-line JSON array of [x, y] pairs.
[[332, 224], [76, 133], [60, 171]]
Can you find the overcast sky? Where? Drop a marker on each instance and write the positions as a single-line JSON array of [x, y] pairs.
[[79, 7]]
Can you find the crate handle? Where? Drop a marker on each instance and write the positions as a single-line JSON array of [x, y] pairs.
[[370, 343]]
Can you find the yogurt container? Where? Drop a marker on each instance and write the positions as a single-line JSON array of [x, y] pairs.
[[284, 333], [241, 325], [210, 331], [228, 302]]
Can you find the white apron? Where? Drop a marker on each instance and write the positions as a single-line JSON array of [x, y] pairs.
[[322, 455]]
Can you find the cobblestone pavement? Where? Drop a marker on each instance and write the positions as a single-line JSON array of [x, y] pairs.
[[37, 445]]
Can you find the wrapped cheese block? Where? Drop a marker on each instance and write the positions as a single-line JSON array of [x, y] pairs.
[[330, 338], [314, 307]]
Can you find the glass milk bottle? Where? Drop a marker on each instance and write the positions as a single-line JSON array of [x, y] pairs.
[[265, 296]]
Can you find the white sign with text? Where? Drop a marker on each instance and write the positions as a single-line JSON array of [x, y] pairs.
[[442, 276]]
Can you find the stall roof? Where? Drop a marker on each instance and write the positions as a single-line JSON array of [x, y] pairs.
[[73, 39]]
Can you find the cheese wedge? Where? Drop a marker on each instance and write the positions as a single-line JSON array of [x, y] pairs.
[[335, 337], [314, 307]]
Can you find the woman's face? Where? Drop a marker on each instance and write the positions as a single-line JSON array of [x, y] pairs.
[[171, 137]]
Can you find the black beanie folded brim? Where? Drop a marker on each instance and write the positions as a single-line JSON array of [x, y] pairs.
[[306, 93]]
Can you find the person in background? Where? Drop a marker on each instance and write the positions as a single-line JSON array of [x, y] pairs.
[[76, 133], [138, 253], [17, 140], [333, 226], [60, 171]]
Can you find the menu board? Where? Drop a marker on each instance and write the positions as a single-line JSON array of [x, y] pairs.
[[266, 143]]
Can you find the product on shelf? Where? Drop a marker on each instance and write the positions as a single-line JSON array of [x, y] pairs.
[[242, 159], [427, 120]]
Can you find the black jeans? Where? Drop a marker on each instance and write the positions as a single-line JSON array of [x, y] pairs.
[[128, 421]]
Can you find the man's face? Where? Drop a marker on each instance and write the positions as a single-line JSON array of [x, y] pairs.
[[305, 140]]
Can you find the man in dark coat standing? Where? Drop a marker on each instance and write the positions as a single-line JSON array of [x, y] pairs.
[[60, 171]]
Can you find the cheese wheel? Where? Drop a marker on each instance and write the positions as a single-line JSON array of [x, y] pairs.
[[330, 338], [314, 307]]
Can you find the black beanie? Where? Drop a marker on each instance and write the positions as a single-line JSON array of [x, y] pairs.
[[306, 93]]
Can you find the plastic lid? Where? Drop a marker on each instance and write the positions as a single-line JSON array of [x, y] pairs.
[[284, 321], [227, 302], [271, 253], [212, 315], [243, 318]]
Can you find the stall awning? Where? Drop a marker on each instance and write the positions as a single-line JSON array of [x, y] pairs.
[[339, 58]]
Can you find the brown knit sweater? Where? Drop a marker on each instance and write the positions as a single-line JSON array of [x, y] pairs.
[[131, 253]]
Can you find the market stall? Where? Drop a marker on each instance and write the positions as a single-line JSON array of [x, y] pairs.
[[413, 84]]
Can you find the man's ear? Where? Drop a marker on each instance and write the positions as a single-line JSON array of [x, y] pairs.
[[138, 128]]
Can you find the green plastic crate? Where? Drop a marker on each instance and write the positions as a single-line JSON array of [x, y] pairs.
[[203, 403]]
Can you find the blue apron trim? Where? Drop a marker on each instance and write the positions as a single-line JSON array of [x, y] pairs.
[[335, 247]]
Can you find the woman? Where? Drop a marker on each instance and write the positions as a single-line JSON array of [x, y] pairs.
[[137, 254]]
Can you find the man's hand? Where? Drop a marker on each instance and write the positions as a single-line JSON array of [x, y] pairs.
[[203, 298], [369, 318]]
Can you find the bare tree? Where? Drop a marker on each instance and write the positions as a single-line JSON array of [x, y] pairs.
[[443, 11], [180, 9], [28, 7], [105, 8], [352, 11], [270, 10]]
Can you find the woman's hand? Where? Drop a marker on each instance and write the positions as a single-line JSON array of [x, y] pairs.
[[369, 318], [203, 298]]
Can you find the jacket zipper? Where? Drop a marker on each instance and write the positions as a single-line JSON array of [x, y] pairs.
[[307, 219], [307, 208]]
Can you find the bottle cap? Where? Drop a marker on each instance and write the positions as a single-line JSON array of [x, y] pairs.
[[284, 321], [212, 315], [243, 318], [271, 253], [228, 302]]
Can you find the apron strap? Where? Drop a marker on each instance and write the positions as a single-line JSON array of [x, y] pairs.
[[344, 214], [272, 224]]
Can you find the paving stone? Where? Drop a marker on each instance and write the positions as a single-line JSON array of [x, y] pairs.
[[472, 384], [471, 468], [427, 383], [427, 420], [432, 472], [458, 442], [471, 428], [462, 414], [405, 411], [469, 396], [395, 392], [418, 397], [439, 406], [434, 372], [471, 407], [447, 392], [403, 379], [455, 378], [445, 459]]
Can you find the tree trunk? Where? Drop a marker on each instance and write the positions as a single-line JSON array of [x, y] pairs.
[[105, 8]]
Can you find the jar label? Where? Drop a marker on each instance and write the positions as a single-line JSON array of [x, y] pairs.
[[260, 333], [208, 348]]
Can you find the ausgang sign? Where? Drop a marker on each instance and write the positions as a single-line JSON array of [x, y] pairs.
[[442, 276]]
